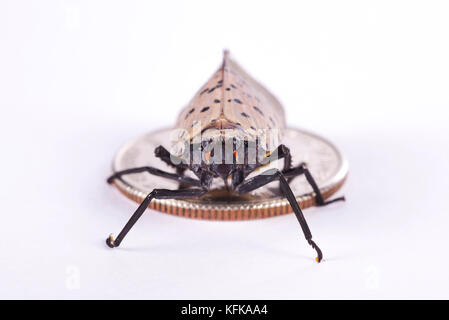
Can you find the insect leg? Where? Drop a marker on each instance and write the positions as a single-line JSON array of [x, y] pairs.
[[272, 175], [155, 194], [163, 154], [154, 171], [302, 169], [287, 159], [283, 152]]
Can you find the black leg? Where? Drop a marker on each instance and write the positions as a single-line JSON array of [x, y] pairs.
[[302, 169], [287, 159], [155, 194], [180, 172], [283, 152], [163, 154], [272, 175], [173, 176]]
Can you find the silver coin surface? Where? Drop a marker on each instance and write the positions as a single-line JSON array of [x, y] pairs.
[[326, 163]]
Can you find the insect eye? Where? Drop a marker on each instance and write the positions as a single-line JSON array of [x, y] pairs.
[[207, 156], [235, 155]]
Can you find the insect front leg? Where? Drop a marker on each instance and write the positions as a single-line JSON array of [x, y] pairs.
[[282, 152], [155, 194], [157, 172], [171, 160], [287, 158], [302, 169], [270, 176]]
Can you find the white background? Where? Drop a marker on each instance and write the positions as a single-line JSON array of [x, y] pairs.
[[80, 78]]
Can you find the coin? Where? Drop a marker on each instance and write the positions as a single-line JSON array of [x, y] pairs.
[[324, 160]]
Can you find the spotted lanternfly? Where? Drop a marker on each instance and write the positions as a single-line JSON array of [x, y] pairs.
[[230, 129]]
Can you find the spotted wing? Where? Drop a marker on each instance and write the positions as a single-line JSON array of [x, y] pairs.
[[231, 98], [205, 106], [247, 102]]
